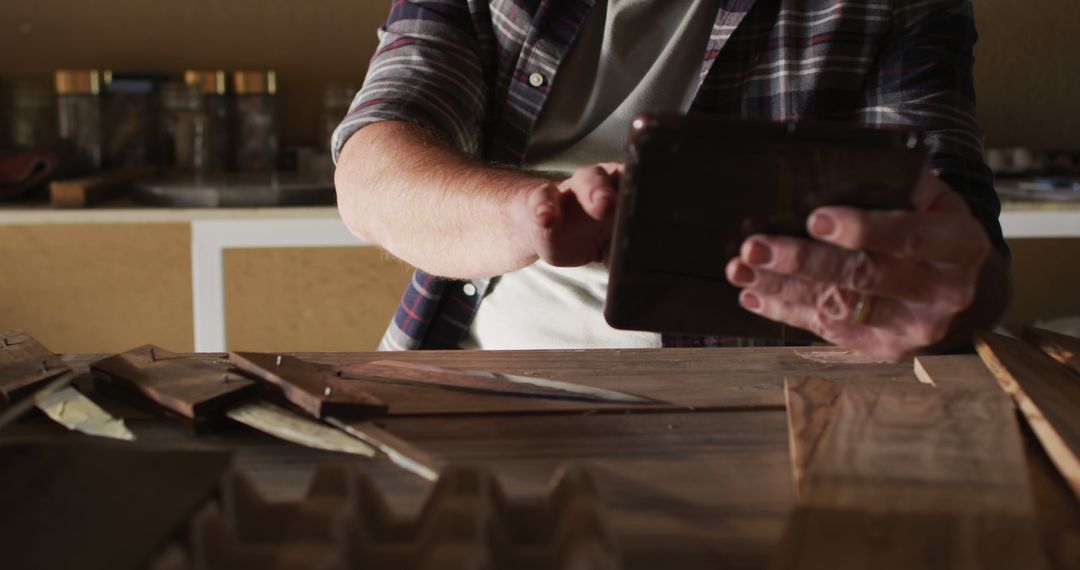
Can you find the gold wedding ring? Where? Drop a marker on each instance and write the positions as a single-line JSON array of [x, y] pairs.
[[862, 309]]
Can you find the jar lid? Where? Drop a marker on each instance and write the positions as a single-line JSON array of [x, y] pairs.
[[255, 82], [78, 82], [206, 81]]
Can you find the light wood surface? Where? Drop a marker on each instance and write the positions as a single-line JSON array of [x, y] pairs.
[[907, 476], [1046, 392], [954, 371]]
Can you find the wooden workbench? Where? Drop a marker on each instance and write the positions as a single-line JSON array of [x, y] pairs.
[[703, 484]]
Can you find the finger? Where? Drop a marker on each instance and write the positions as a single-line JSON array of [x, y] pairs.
[[890, 332], [876, 274], [596, 189], [542, 205], [937, 236], [831, 301]]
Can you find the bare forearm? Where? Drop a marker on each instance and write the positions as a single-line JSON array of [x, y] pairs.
[[405, 190]]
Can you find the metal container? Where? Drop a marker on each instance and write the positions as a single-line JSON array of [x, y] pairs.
[[212, 86], [256, 140], [80, 113]]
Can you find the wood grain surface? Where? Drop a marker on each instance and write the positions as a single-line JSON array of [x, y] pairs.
[[955, 371], [1062, 348], [314, 388], [910, 477], [705, 487], [84, 503], [1047, 393], [25, 365], [196, 389]]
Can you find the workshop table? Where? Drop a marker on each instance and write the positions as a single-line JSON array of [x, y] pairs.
[[705, 483]]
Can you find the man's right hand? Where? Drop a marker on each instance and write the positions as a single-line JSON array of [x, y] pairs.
[[570, 224]]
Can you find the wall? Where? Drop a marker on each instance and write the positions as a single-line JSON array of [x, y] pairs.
[[1028, 78]]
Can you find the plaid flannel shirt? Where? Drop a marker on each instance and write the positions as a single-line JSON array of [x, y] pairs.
[[477, 73]]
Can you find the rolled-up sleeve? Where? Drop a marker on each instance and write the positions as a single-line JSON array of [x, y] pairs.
[[924, 80], [427, 71]]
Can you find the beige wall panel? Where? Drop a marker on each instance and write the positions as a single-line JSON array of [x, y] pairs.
[[98, 288], [1046, 276], [311, 299], [1026, 71]]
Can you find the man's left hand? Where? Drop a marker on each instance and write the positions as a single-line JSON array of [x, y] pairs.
[[884, 283]]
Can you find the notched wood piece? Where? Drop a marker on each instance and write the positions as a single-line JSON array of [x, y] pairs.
[[1062, 348], [909, 476], [25, 365], [1046, 392], [466, 521], [195, 389], [314, 388]]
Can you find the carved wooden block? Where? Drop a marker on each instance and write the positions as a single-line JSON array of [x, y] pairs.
[[317, 389], [466, 522], [193, 390], [25, 365]]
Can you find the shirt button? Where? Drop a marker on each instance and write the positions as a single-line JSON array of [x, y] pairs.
[[536, 80], [469, 289]]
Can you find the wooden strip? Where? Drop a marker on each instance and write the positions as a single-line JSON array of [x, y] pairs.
[[314, 388], [1062, 348], [398, 451], [810, 403], [196, 390], [25, 366], [910, 477], [83, 192], [295, 428], [1046, 392], [955, 371]]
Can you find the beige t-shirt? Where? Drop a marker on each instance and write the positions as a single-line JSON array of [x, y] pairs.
[[631, 56]]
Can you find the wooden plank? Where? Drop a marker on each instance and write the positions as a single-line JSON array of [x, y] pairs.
[[92, 190], [910, 477], [25, 366], [1047, 393], [195, 390], [955, 371], [314, 388], [1062, 348], [1058, 510], [95, 505]]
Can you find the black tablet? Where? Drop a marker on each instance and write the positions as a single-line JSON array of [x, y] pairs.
[[697, 186]]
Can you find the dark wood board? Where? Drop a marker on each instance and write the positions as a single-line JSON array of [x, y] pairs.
[[314, 388], [197, 390], [92, 505], [25, 365], [1062, 348], [722, 379], [910, 477], [1047, 393]]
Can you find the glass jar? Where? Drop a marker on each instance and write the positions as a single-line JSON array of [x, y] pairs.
[[186, 128], [256, 120], [79, 114], [130, 126], [31, 115], [211, 86], [336, 100]]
